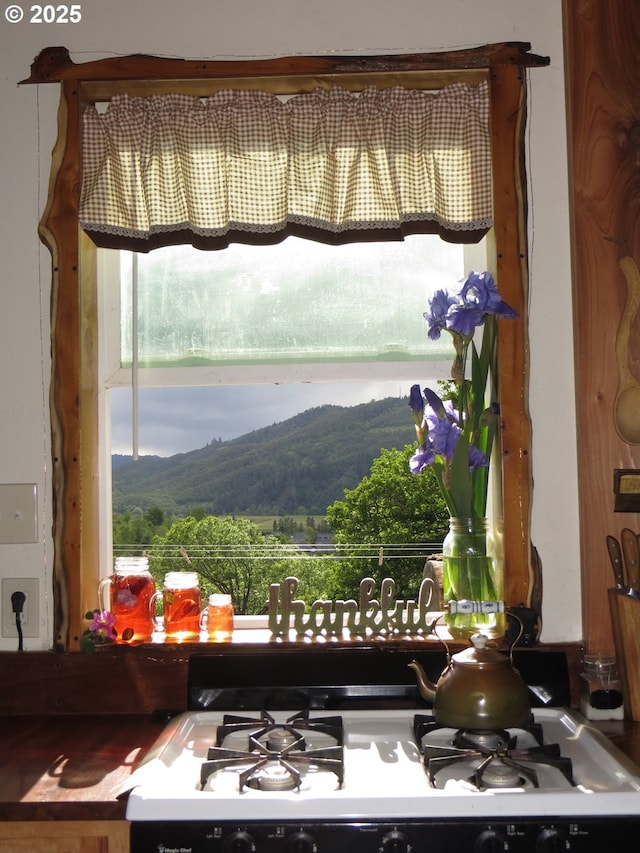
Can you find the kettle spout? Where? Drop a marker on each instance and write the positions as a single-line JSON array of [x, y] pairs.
[[426, 688]]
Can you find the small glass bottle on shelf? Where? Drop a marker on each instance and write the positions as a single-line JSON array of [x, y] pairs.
[[218, 617], [601, 689]]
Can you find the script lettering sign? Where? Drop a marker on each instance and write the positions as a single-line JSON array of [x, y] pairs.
[[369, 615]]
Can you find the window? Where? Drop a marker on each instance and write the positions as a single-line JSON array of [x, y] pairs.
[[299, 324], [74, 386]]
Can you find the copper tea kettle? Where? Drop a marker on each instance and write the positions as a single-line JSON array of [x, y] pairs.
[[479, 689]]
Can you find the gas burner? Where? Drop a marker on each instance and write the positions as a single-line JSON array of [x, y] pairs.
[[275, 752], [496, 760], [499, 775], [494, 740], [274, 778], [279, 739]]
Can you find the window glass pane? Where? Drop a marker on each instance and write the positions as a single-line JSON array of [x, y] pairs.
[[234, 341], [297, 301], [177, 420]]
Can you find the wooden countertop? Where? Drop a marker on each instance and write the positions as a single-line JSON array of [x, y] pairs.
[[72, 767], [623, 734]]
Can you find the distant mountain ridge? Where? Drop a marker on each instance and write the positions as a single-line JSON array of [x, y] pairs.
[[301, 465]]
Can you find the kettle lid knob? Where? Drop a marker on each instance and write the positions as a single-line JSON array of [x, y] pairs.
[[479, 641]]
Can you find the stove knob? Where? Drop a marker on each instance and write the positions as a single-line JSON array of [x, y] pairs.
[[552, 841], [490, 841], [239, 842], [395, 842], [301, 842]]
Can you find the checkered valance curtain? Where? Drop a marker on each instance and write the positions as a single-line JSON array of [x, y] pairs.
[[246, 163]]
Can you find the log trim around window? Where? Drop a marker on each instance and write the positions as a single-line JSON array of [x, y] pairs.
[[73, 331]]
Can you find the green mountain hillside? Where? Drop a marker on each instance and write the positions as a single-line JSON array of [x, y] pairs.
[[298, 466]]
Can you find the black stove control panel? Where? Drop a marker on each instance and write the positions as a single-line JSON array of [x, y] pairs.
[[544, 834]]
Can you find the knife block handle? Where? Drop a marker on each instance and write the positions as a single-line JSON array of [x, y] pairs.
[[625, 621]]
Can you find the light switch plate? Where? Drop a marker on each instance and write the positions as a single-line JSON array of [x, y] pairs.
[[18, 513]]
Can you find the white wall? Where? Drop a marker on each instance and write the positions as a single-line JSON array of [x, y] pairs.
[[239, 29]]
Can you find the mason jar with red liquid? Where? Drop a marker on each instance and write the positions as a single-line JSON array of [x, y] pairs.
[[127, 593], [182, 606]]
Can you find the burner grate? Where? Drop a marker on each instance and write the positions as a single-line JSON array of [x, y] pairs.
[[499, 761], [276, 751], [301, 721]]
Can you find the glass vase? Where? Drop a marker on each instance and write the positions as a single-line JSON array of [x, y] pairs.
[[473, 579]]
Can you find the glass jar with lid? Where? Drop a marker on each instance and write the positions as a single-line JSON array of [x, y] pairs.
[[601, 689], [127, 594]]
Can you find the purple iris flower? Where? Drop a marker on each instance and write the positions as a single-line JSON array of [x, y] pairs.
[[415, 400], [476, 458], [480, 293], [464, 319], [462, 314], [422, 458], [445, 435], [438, 425], [435, 403], [436, 317]]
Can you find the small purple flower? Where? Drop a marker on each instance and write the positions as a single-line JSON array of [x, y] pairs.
[[102, 625], [436, 317]]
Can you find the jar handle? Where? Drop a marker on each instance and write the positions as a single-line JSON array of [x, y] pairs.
[[104, 601], [158, 622]]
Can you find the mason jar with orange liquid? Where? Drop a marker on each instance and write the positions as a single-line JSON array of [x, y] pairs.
[[127, 593], [217, 617], [182, 606]]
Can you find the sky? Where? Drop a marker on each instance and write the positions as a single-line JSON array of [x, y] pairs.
[[176, 420]]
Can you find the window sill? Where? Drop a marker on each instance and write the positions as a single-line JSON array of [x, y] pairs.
[[254, 630]]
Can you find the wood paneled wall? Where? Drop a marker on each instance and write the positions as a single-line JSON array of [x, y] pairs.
[[602, 58]]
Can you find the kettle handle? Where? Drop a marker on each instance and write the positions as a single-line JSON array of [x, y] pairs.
[[520, 633], [442, 640]]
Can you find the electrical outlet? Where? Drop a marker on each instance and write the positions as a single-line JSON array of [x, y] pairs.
[[30, 617]]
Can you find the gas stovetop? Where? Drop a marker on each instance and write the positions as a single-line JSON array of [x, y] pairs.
[[373, 765], [363, 769]]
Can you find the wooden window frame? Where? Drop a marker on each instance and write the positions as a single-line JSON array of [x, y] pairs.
[[74, 344]]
